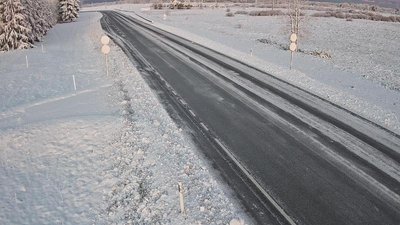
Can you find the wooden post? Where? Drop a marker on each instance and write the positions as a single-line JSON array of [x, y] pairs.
[[291, 59], [107, 64]]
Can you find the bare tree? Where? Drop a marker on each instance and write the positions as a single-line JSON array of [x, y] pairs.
[[294, 13]]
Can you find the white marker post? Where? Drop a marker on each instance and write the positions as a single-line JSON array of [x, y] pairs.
[[292, 47], [181, 200], [105, 49], [26, 60], [73, 79], [42, 49]]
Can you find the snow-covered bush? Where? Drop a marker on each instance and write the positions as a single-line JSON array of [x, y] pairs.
[[241, 12], [68, 11], [14, 31], [266, 13], [158, 6], [180, 6], [229, 14], [176, 4]]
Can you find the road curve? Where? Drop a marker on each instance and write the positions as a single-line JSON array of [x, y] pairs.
[[293, 158]]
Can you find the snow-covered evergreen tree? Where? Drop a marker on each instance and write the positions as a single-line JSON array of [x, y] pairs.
[[48, 14], [76, 6], [51, 15], [35, 11], [34, 18], [15, 28], [68, 10]]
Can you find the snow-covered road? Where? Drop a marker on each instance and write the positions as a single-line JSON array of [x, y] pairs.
[[105, 154]]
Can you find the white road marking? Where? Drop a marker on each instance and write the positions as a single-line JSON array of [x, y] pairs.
[[204, 126], [192, 113], [254, 181]]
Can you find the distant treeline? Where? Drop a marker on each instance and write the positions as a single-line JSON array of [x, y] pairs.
[[382, 3]]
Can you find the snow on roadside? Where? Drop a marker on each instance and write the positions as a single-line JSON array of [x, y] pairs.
[[50, 173], [362, 97], [43, 72], [53, 140], [154, 155], [106, 154]]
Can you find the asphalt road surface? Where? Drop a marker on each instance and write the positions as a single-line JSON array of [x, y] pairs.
[[303, 160]]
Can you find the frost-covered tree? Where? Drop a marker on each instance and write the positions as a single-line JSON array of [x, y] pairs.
[[68, 10], [51, 15], [76, 5], [15, 29], [35, 17]]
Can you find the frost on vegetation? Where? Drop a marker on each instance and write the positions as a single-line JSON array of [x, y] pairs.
[[317, 53]]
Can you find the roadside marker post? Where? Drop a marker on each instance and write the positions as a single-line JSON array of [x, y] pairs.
[[26, 60], [181, 200], [105, 49], [73, 79]]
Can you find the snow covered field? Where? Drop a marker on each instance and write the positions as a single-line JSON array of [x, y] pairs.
[[362, 75], [353, 45], [105, 154]]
